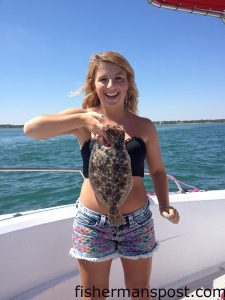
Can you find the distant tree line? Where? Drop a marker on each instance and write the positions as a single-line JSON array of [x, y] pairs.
[[11, 126], [207, 121]]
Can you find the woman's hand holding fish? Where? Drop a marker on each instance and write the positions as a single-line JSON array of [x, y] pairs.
[[93, 122]]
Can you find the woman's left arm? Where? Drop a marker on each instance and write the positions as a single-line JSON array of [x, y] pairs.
[[158, 174]]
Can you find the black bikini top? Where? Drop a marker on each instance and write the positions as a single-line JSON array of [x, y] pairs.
[[135, 146]]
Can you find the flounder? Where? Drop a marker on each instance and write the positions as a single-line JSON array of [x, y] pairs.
[[110, 172]]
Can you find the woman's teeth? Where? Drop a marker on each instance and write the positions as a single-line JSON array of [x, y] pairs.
[[111, 94]]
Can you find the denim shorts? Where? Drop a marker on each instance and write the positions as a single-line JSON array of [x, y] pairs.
[[94, 239]]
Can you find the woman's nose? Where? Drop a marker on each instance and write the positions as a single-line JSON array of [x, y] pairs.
[[110, 83]]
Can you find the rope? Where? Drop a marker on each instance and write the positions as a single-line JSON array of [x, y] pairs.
[[178, 184]]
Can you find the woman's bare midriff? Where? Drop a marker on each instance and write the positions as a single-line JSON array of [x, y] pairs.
[[135, 200]]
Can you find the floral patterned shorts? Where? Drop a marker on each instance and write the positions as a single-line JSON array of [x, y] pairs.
[[94, 239]]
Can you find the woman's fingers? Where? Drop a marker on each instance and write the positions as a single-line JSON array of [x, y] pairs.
[[171, 214], [96, 115], [95, 124]]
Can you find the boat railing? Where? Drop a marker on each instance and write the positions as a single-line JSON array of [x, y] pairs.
[[187, 188]]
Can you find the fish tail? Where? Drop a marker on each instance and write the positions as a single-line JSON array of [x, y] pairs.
[[115, 217]]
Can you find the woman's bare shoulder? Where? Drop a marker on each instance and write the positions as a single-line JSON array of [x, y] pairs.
[[145, 123], [144, 126]]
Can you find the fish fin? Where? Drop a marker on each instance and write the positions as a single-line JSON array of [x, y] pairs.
[[115, 217]]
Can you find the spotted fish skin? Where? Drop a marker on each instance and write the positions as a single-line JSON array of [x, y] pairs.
[[110, 173]]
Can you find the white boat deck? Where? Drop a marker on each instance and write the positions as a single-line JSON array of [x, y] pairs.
[[209, 286], [35, 262]]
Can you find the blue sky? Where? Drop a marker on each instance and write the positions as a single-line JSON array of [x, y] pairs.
[[178, 58]]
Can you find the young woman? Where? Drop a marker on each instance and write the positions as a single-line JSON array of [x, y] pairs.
[[111, 97]]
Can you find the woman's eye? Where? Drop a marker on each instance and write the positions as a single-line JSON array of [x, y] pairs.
[[104, 79]]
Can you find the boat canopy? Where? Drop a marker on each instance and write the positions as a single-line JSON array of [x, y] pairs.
[[204, 7]]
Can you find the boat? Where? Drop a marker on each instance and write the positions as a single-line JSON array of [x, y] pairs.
[[35, 261], [215, 8], [189, 263]]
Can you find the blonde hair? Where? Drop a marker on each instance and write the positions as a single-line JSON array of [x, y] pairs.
[[91, 98]]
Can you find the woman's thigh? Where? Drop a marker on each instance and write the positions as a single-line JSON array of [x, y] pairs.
[[94, 278], [137, 273]]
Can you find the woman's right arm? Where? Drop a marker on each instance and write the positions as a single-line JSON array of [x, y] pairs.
[[67, 121]]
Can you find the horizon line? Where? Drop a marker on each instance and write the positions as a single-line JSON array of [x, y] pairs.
[[165, 121]]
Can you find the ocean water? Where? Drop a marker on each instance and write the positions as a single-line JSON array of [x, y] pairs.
[[194, 154]]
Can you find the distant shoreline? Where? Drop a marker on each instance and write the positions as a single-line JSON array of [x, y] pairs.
[[186, 122], [178, 122], [11, 126]]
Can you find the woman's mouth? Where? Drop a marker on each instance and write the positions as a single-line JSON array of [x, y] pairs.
[[112, 95]]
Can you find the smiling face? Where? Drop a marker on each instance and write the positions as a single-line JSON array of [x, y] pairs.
[[111, 84]]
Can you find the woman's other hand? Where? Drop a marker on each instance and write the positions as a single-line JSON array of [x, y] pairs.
[[170, 213]]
